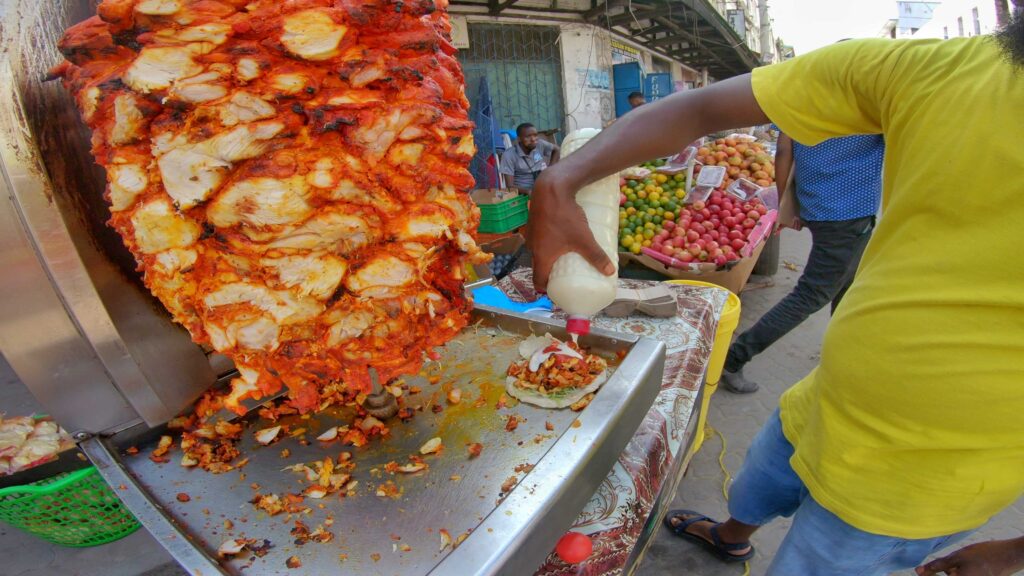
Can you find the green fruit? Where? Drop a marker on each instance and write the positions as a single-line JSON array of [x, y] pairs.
[[657, 219], [629, 205]]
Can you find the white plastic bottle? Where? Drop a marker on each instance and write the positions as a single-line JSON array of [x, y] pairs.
[[574, 285]]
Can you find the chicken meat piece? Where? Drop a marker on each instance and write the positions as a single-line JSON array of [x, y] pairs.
[[290, 176]]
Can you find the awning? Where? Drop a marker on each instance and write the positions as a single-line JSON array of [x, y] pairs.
[[690, 31]]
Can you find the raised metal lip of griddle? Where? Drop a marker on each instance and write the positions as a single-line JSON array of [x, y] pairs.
[[510, 536]]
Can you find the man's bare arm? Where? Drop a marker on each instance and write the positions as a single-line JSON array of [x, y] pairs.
[[557, 223], [991, 558], [509, 181], [783, 161], [783, 169]]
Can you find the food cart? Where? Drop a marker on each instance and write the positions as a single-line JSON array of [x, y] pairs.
[[108, 363]]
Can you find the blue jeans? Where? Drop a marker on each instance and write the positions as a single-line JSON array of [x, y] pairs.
[[818, 542]]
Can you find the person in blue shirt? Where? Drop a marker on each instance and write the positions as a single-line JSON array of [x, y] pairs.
[[838, 189]]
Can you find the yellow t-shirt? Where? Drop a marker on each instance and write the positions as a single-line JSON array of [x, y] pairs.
[[913, 423]]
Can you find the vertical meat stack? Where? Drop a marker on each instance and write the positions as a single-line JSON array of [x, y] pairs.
[[290, 176]]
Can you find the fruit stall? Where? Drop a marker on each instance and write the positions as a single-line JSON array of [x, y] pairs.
[[704, 214]]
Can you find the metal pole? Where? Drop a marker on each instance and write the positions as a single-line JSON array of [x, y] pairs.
[[765, 22]]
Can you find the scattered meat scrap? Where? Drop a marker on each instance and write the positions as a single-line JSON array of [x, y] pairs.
[[261, 550], [161, 450], [509, 484], [582, 403], [270, 503], [454, 396], [389, 490], [432, 446], [512, 423], [233, 546]]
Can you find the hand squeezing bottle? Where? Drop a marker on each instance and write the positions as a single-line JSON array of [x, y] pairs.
[[574, 285]]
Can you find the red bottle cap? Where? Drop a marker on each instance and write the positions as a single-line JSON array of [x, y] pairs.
[[577, 325]]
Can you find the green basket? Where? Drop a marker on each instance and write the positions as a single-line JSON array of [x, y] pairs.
[[503, 209], [72, 509], [504, 224]]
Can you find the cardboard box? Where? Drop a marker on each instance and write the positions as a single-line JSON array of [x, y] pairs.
[[504, 245], [492, 195], [733, 279]]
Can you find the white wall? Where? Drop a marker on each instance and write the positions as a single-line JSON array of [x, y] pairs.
[[946, 16], [914, 15], [587, 75]]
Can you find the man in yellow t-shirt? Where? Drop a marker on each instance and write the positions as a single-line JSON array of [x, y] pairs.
[[910, 433]]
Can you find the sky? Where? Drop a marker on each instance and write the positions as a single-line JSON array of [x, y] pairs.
[[810, 24]]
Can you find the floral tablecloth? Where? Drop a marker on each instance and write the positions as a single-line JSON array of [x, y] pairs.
[[619, 514]]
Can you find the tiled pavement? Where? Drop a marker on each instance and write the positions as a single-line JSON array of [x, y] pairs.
[[737, 417]]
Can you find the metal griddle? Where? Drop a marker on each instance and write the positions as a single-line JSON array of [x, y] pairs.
[[508, 534]]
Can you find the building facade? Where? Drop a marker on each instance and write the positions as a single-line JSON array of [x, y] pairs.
[[555, 63], [562, 65], [911, 17], [965, 18]]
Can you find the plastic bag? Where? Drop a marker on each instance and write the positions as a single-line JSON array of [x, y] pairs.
[[743, 189], [712, 176], [635, 173]]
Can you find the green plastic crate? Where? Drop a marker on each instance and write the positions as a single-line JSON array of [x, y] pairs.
[[503, 209], [75, 509], [505, 224]]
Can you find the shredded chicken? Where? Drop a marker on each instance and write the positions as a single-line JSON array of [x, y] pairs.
[[560, 371], [290, 176]]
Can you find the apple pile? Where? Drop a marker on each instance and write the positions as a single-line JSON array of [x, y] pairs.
[[714, 231], [741, 160]]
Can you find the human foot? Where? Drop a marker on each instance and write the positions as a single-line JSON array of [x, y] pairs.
[[737, 383], [703, 530]]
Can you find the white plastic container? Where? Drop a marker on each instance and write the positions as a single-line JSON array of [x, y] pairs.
[[574, 285]]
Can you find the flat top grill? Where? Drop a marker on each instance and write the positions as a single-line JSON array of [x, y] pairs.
[[558, 470]]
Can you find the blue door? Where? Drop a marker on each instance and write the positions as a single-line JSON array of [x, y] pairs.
[[657, 86], [628, 78]]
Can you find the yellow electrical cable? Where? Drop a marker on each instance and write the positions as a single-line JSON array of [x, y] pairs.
[[726, 476]]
